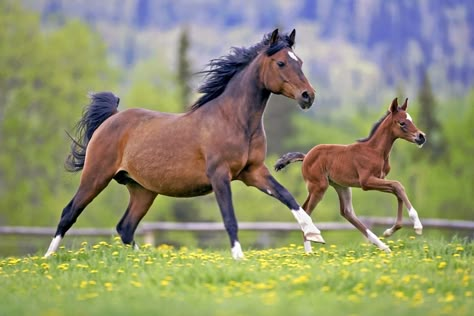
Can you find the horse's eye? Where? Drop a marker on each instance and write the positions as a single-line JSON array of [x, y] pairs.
[[280, 64], [403, 124]]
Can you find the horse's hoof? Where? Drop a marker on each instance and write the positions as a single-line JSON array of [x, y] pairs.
[[387, 250], [388, 233], [419, 230], [236, 251], [314, 237], [238, 256]]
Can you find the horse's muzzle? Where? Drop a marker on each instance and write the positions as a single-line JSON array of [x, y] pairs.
[[306, 100]]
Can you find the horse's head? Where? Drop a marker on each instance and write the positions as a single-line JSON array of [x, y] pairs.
[[281, 71], [403, 126]]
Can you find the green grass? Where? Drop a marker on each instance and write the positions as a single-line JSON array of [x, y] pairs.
[[420, 277]]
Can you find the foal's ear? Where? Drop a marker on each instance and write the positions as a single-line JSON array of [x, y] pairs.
[[394, 105], [405, 105], [274, 37], [292, 38]]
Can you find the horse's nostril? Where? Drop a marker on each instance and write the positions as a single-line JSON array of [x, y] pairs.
[[305, 95]]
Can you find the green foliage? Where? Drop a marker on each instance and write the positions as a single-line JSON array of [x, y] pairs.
[[420, 277], [43, 80]]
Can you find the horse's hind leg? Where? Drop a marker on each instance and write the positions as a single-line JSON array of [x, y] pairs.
[[347, 211], [140, 201], [259, 177], [316, 193], [89, 188]]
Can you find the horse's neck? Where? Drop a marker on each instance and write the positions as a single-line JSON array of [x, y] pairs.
[[382, 140], [246, 97]]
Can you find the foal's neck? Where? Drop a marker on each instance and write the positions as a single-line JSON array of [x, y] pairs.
[[383, 139]]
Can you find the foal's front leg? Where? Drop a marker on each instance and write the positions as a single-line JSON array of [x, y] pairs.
[[261, 178], [396, 188]]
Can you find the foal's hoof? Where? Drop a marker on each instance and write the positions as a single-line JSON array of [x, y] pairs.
[[419, 230], [314, 237], [388, 232], [387, 250]]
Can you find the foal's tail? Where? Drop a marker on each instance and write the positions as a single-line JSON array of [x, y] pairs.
[[288, 158], [102, 106]]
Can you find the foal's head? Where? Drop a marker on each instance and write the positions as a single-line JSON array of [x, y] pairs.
[[402, 124], [281, 70]]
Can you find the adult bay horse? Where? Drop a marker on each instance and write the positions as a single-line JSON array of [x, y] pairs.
[[364, 165], [220, 139]]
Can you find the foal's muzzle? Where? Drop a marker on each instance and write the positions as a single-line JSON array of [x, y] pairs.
[[420, 139], [306, 99]]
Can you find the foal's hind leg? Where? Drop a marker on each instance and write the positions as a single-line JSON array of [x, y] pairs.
[[347, 211], [140, 201], [89, 188]]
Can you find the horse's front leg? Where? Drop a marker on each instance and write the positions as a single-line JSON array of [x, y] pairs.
[[262, 179], [220, 181]]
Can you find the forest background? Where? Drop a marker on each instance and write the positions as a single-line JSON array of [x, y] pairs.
[[358, 55]]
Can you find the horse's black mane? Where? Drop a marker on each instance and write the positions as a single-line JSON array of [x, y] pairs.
[[221, 70], [374, 128]]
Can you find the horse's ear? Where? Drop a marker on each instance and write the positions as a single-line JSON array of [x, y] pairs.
[[292, 38], [405, 105], [394, 105], [274, 37]]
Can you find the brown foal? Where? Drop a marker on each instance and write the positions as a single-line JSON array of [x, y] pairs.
[[365, 165]]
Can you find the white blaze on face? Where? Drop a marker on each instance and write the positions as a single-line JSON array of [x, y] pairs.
[[409, 117], [292, 55]]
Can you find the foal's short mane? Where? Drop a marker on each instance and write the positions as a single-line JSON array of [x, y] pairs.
[[374, 128], [221, 70]]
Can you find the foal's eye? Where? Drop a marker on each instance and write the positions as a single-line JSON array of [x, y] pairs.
[[280, 64], [403, 124]]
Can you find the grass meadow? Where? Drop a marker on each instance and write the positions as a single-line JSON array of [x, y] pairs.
[[420, 277]]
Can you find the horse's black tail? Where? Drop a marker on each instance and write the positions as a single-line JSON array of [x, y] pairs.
[[288, 158], [102, 106]]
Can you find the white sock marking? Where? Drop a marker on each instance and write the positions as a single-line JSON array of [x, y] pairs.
[[307, 246], [305, 222], [237, 253], [292, 55], [53, 246], [413, 214], [376, 241]]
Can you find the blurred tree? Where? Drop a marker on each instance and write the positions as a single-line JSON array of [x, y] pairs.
[[184, 68], [428, 122], [279, 129], [43, 77]]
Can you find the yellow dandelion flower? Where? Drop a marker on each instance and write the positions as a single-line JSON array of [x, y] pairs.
[[399, 295], [136, 283], [442, 265], [431, 290], [468, 294], [87, 296], [448, 298]]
